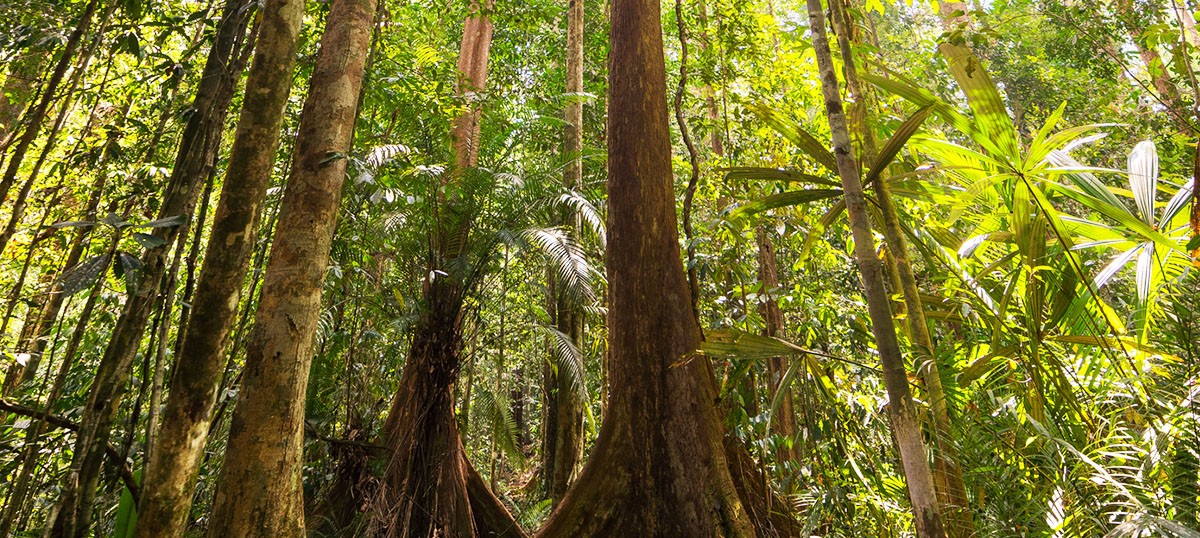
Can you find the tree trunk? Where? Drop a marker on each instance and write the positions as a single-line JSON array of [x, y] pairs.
[[259, 492], [564, 429], [171, 474], [18, 90], [196, 155], [901, 407], [68, 103], [37, 115], [948, 481], [659, 467], [29, 458], [428, 483], [783, 421]]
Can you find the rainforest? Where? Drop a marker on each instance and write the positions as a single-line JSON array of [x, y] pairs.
[[599, 268]]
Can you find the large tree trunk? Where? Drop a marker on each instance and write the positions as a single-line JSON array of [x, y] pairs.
[[171, 473], [905, 425], [564, 418], [659, 467], [197, 153], [429, 487], [259, 492]]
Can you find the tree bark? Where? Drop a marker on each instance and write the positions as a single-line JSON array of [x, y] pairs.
[[259, 492], [195, 158], [901, 407], [948, 481], [783, 421], [171, 474], [565, 416], [659, 467], [429, 487]]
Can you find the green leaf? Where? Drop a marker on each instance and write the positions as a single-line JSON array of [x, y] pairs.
[[130, 268], [115, 221], [1143, 178], [735, 344], [796, 134], [126, 520], [149, 241], [1119, 214], [74, 224], [1082, 178], [897, 142], [166, 222], [785, 199], [909, 91], [775, 174], [82, 276], [991, 115]]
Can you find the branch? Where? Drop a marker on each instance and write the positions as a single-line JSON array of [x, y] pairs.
[[66, 424]]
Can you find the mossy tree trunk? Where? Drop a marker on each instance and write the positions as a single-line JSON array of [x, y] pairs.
[[905, 424], [171, 472], [259, 492]]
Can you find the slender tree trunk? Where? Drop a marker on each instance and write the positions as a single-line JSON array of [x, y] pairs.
[[783, 422], [19, 204], [659, 467], [196, 156], [171, 474], [19, 88], [689, 196], [564, 417], [267, 433], [37, 115], [948, 481], [902, 409], [39, 337], [29, 458]]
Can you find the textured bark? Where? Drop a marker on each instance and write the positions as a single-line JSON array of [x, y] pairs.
[[171, 474], [659, 467], [948, 478], [259, 492], [783, 421], [472, 81], [564, 428], [197, 152], [37, 114], [429, 488], [901, 408]]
